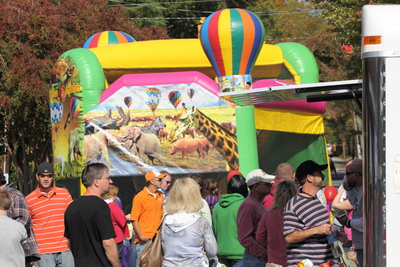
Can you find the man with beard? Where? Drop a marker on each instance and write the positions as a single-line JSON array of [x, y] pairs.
[[355, 180], [306, 221]]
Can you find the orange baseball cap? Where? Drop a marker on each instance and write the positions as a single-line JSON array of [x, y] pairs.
[[150, 175]]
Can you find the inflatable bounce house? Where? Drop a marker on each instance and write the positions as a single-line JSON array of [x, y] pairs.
[[137, 106]]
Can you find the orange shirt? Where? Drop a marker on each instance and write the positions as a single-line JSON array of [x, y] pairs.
[[47, 216], [147, 210]]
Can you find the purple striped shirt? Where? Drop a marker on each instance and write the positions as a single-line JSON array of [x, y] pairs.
[[302, 213]]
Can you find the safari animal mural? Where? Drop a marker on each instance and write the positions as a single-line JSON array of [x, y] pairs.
[[166, 130]]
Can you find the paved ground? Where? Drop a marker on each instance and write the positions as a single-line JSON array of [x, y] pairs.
[[340, 165]]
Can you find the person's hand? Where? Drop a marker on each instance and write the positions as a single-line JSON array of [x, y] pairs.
[[128, 216], [342, 237], [342, 220], [323, 229], [144, 239]]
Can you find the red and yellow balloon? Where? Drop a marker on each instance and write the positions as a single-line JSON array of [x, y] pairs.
[[232, 40]]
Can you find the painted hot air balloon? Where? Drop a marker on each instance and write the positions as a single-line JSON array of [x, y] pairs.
[[175, 97], [232, 40], [153, 98], [56, 113], [128, 101], [190, 92], [74, 106], [108, 38]]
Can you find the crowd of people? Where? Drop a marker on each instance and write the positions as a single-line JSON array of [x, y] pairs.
[[281, 219]]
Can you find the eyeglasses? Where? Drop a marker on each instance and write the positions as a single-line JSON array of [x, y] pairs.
[[320, 176], [158, 179], [349, 173], [49, 175]]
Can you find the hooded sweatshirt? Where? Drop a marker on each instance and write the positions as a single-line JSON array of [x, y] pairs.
[[225, 228], [185, 237]]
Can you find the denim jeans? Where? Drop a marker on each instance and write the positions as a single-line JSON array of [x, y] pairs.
[[139, 247], [360, 257], [249, 260], [57, 259], [232, 262]]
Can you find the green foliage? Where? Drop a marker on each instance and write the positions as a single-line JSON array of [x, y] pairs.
[[143, 10], [33, 35], [184, 16]]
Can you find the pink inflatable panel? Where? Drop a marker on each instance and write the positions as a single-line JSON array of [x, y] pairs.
[[295, 105], [161, 78]]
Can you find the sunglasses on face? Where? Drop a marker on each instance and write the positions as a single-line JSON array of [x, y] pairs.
[[158, 179], [167, 182], [350, 173], [49, 175]]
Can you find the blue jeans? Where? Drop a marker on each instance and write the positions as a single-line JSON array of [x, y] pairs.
[[139, 247], [360, 256], [232, 262], [249, 260], [57, 259]]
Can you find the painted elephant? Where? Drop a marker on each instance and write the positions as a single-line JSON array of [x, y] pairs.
[[144, 144], [96, 145]]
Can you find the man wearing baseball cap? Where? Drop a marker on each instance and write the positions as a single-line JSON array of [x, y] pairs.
[[249, 215], [147, 211], [47, 205], [306, 221]]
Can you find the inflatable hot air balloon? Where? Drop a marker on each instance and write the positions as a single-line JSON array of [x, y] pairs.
[[108, 38], [128, 101], [74, 106], [232, 40], [153, 98], [190, 92], [56, 112], [175, 97]]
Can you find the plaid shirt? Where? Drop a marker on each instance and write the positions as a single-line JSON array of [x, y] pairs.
[[19, 212]]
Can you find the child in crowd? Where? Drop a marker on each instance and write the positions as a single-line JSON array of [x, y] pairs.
[[213, 193]]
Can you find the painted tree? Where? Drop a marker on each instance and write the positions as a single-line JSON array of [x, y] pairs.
[[33, 35]]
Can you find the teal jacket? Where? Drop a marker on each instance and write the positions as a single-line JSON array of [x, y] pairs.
[[224, 226]]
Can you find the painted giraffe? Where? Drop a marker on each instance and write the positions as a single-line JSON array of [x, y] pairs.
[[224, 141]]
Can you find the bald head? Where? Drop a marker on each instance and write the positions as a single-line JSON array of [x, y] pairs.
[[354, 165], [284, 171]]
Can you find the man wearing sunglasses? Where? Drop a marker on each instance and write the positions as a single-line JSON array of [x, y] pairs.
[[147, 211], [47, 204], [165, 183], [306, 221], [355, 180]]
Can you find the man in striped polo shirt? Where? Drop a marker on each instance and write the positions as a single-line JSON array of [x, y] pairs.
[[306, 220], [47, 204]]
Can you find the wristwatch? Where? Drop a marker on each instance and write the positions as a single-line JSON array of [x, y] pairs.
[[348, 225]]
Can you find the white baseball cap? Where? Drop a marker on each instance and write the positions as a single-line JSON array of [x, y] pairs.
[[258, 175]]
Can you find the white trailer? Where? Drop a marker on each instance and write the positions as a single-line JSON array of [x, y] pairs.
[[381, 131], [381, 126]]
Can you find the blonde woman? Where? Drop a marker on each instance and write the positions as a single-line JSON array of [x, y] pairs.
[[187, 238]]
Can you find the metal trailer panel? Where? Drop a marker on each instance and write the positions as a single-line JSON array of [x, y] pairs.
[[381, 157]]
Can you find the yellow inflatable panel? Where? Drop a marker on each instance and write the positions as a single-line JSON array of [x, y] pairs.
[[175, 55], [295, 122]]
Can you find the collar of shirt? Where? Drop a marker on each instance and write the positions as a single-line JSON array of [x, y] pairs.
[[153, 194], [45, 194]]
